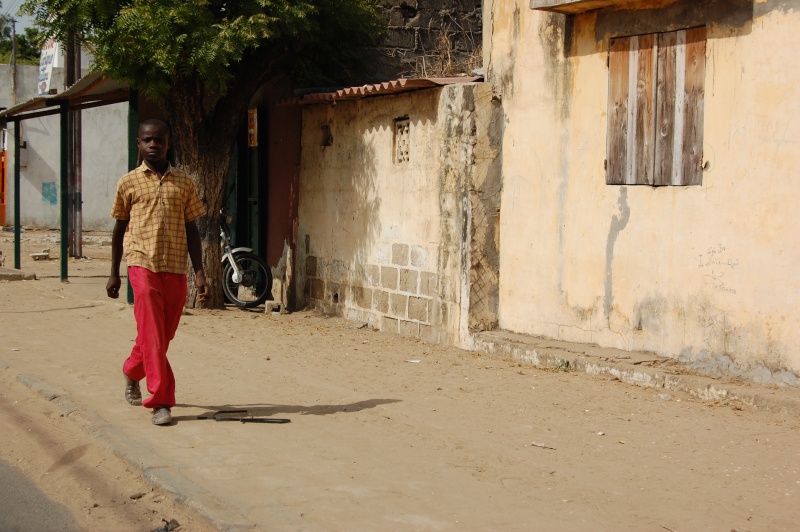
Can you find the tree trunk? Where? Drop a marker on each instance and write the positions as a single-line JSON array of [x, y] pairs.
[[209, 174], [211, 264], [204, 150]]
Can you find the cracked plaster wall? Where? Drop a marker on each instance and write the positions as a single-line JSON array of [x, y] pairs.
[[707, 274], [385, 242]]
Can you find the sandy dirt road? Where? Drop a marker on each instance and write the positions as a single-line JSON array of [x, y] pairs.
[[388, 433], [72, 469]]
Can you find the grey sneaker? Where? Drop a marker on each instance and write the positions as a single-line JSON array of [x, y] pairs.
[[133, 394], [162, 416]]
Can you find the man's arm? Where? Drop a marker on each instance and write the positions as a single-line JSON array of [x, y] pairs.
[[196, 254], [117, 236]]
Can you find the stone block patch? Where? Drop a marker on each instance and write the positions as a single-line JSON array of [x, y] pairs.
[[380, 301], [400, 254], [389, 324], [317, 290], [394, 293], [311, 266], [409, 328], [427, 284], [419, 257], [338, 272], [428, 334], [362, 297], [408, 280], [418, 308], [389, 277], [398, 305], [373, 275]]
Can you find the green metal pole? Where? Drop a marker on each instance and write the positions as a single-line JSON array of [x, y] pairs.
[[133, 152], [64, 195], [17, 179]]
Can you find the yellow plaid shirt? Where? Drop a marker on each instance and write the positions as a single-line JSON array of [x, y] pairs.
[[158, 210]]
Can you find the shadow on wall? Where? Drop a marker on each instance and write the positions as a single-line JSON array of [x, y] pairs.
[[347, 218], [41, 180], [732, 17], [370, 197], [358, 215], [724, 18], [37, 169], [40, 165]]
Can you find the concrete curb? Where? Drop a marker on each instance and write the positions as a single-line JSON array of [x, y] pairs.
[[139, 457], [10, 274], [641, 369]]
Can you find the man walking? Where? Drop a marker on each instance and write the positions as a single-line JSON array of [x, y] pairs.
[[155, 208]]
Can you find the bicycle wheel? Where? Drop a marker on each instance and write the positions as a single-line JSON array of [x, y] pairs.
[[254, 287]]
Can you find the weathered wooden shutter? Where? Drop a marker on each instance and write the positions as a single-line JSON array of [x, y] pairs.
[[680, 94], [655, 109], [630, 110]]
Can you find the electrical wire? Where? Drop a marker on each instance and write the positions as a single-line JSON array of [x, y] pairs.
[[10, 7]]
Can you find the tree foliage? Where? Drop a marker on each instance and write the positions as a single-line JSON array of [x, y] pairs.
[[205, 59], [28, 43], [150, 43]]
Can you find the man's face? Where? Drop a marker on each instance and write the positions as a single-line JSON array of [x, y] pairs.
[[153, 143]]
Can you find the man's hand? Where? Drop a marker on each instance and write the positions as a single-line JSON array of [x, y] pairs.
[[117, 236], [201, 285], [196, 254], [112, 286]]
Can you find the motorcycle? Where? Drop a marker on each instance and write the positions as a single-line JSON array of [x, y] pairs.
[[246, 277]]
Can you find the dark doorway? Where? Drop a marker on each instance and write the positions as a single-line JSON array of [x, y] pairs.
[[246, 187]]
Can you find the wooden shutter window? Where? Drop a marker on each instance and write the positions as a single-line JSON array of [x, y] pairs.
[[655, 109], [680, 95], [630, 110], [694, 104], [616, 139]]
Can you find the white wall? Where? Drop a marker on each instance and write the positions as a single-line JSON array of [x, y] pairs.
[[104, 157], [104, 161]]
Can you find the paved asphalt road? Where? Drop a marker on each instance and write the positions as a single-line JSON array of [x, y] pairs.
[[24, 508]]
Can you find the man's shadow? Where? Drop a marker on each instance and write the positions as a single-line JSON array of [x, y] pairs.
[[262, 411]]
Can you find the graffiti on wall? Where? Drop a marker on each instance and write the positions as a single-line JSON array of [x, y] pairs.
[[716, 264], [49, 193]]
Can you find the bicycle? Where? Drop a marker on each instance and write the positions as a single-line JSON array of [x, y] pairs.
[[246, 277]]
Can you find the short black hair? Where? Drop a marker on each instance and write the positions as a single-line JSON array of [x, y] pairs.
[[156, 122]]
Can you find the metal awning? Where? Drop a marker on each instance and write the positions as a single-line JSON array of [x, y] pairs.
[[92, 90]]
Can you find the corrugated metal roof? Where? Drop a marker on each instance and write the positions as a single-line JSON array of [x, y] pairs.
[[379, 89], [91, 88]]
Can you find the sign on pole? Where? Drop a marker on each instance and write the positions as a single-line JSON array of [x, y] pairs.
[[47, 60]]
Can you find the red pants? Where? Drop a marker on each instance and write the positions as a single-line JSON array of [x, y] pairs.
[[158, 301]]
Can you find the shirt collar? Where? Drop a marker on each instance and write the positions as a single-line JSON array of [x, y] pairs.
[[144, 168]]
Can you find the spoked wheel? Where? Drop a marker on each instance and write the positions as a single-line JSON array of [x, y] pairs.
[[255, 285]]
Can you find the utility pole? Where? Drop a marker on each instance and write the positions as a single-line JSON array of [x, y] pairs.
[[77, 160], [14, 61], [72, 73]]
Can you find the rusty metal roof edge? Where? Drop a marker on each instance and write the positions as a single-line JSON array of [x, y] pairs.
[[377, 89], [85, 84]]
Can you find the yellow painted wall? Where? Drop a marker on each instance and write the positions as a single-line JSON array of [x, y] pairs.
[[709, 274]]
